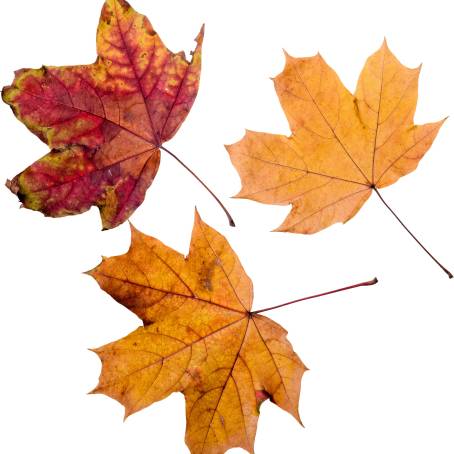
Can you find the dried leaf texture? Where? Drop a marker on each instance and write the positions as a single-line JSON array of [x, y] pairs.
[[199, 338], [341, 146], [104, 122]]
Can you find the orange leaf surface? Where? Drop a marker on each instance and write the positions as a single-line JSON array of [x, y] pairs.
[[104, 122], [199, 338], [342, 146]]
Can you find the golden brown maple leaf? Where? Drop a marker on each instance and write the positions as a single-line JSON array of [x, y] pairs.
[[199, 338], [342, 146], [105, 122]]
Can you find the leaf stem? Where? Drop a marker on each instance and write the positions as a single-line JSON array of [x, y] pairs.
[[411, 234], [361, 284], [229, 217]]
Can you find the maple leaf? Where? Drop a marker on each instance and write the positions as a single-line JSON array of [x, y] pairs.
[[105, 122], [342, 146], [199, 338]]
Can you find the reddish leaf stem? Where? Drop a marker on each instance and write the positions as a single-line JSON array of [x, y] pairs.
[[229, 217], [361, 284], [411, 234]]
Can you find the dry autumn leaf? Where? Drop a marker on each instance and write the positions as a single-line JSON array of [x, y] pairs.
[[342, 146], [199, 338], [105, 122]]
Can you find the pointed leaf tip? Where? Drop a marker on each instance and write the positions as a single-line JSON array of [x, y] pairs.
[[288, 57], [201, 34]]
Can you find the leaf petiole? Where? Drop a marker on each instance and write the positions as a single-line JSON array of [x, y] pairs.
[[229, 216], [411, 234], [361, 284]]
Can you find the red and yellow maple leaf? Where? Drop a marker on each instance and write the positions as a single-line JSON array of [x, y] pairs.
[[105, 122], [199, 338]]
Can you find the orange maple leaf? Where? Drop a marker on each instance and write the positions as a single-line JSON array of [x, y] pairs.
[[199, 338], [106, 121], [342, 146]]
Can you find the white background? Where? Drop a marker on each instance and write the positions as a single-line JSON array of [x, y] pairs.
[[381, 358]]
